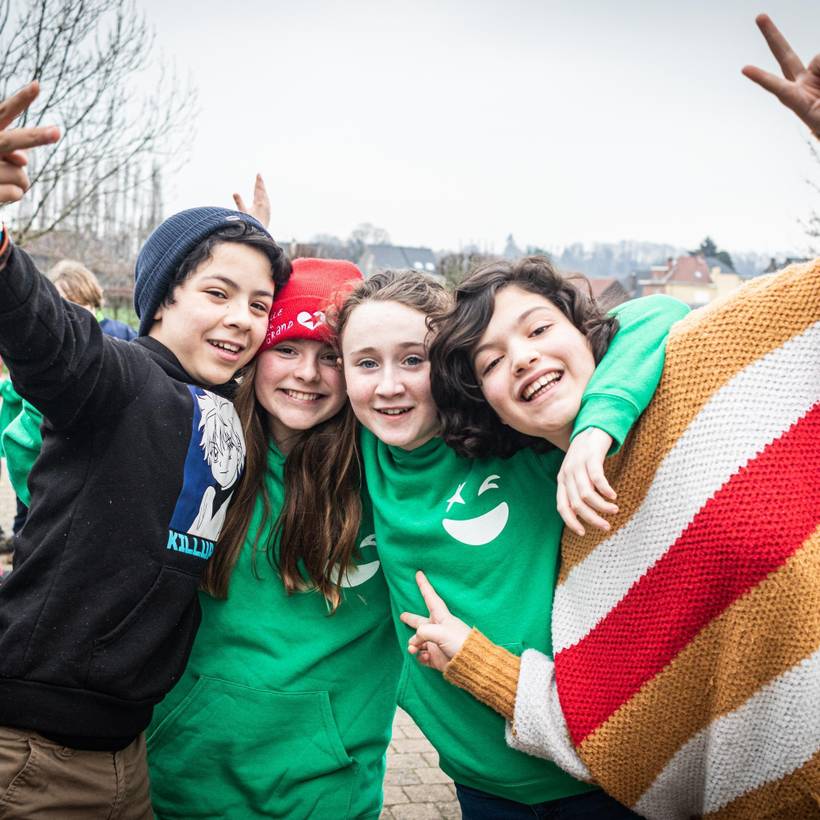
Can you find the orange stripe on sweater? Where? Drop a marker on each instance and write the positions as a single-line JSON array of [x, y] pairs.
[[794, 797], [726, 663], [705, 350]]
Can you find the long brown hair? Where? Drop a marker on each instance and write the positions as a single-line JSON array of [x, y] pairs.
[[316, 530]]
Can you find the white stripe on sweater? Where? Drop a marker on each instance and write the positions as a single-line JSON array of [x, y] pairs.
[[775, 732], [731, 429], [539, 728]]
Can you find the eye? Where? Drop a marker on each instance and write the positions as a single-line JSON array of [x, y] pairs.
[[537, 331], [490, 365], [488, 484], [261, 307], [367, 364], [285, 350], [413, 360], [331, 358], [217, 293]]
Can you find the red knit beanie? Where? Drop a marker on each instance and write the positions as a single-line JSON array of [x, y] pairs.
[[298, 310]]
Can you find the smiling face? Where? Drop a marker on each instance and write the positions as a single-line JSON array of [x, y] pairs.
[[482, 528], [219, 314], [300, 384], [533, 365], [388, 373]]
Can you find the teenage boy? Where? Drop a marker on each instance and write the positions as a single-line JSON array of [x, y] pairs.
[[141, 452]]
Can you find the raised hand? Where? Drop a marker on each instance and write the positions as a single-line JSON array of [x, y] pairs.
[[14, 142], [260, 207], [799, 87], [438, 636]]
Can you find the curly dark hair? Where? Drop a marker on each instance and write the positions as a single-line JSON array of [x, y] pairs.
[[469, 425]]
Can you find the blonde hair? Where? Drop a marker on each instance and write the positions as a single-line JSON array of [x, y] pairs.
[[77, 284]]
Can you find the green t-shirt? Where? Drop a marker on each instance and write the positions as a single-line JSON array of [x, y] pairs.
[[283, 710], [487, 534]]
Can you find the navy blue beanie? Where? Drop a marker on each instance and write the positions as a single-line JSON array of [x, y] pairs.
[[166, 248]]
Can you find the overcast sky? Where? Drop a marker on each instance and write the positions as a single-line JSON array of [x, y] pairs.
[[449, 123]]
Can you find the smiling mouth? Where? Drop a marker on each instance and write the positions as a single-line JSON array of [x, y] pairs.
[[393, 411], [228, 347], [541, 385], [299, 395]]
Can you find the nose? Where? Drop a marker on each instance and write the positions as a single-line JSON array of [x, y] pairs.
[[307, 369], [522, 357], [389, 384], [238, 314]]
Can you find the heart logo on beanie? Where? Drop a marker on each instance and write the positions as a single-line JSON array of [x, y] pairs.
[[311, 321]]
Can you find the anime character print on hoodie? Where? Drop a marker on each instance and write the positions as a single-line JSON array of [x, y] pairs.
[[127, 495], [284, 710], [486, 533]]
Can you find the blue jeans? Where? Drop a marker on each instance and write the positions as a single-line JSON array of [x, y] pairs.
[[597, 805]]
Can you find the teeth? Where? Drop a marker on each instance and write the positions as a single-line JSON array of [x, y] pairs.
[[231, 348], [539, 384], [395, 412], [298, 394]]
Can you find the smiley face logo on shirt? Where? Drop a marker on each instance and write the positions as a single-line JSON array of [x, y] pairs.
[[482, 528], [356, 575]]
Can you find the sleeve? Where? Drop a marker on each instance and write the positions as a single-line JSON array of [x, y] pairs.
[[10, 406], [628, 375], [523, 691], [56, 353], [22, 442], [538, 727]]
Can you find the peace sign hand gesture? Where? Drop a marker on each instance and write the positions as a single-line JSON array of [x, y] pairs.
[[14, 142], [440, 635], [799, 88]]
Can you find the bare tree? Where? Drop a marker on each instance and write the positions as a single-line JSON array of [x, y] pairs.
[[93, 59], [812, 223]]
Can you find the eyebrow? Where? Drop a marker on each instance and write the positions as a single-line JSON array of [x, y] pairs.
[[522, 318], [401, 345], [230, 283]]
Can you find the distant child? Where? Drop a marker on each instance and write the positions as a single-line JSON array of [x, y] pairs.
[[78, 284], [98, 617]]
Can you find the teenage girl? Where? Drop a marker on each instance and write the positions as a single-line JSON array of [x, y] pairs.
[[281, 711], [486, 530]]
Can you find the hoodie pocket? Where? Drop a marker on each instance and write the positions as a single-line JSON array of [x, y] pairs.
[[144, 655], [234, 751]]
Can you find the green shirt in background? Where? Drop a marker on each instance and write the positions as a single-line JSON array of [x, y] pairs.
[[283, 710], [487, 534]]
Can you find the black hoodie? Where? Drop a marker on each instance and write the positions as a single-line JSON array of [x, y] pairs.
[[98, 617]]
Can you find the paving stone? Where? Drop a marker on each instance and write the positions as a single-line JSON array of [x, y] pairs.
[[450, 811], [394, 795], [428, 775], [406, 761], [411, 730], [429, 793], [431, 759], [408, 777], [417, 811], [406, 744]]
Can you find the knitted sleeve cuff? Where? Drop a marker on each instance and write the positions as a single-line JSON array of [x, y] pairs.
[[487, 671]]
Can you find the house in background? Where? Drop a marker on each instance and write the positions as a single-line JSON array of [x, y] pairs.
[[395, 257], [691, 279]]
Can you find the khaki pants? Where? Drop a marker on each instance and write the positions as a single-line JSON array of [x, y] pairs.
[[41, 780]]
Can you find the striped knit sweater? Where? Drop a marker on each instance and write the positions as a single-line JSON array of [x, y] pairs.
[[686, 678]]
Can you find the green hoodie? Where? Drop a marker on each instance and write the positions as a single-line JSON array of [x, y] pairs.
[[487, 534], [283, 710]]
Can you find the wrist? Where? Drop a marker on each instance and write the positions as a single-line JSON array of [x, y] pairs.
[[5, 246]]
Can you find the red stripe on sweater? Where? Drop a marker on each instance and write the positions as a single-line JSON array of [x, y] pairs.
[[747, 530]]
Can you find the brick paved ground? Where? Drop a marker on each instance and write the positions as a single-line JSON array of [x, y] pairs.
[[414, 788]]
